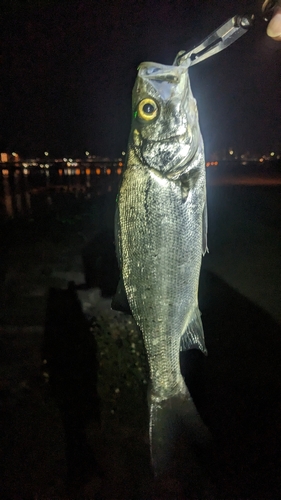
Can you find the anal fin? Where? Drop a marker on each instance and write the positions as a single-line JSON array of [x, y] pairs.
[[193, 337]]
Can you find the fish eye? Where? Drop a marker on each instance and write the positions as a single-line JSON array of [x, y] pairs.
[[147, 109]]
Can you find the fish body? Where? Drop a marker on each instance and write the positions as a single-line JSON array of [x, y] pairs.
[[161, 227]]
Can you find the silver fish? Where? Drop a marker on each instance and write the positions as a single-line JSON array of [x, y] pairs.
[[161, 234]]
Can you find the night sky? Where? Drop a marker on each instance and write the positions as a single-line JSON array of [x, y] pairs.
[[68, 68]]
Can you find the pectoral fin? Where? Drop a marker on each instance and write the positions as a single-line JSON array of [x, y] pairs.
[[119, 301], [193, 337]]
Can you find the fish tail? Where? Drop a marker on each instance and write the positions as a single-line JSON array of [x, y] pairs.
[[174, 421]]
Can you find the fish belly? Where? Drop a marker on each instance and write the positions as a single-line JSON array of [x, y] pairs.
[[160, 239]]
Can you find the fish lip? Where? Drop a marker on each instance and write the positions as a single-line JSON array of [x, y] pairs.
[[171, 74], [162, 69], [163, 77]]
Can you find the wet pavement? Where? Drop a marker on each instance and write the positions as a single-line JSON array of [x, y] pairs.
[[74, 376]]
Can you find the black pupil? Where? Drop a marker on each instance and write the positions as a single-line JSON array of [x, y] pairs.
[[148, 109]]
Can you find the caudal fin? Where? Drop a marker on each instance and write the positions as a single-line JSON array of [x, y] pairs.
[[172, 422]]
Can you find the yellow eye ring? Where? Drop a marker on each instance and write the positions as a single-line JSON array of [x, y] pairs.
[[147, 109]]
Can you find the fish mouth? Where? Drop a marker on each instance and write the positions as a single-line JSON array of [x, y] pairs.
[[156, 71], [166, 80]]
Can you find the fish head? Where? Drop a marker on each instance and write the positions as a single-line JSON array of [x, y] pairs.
[[165, 133]]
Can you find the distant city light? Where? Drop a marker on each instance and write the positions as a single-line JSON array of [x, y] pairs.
[[212, 163], [104, 167], [4, 157], [123, 153]]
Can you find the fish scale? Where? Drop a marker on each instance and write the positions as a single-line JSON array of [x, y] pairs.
[[157, 253]]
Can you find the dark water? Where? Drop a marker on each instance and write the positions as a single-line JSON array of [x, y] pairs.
[[24, 192]]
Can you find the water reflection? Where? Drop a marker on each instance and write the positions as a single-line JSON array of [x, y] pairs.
[[14, 195], [24, 192], [8, 201]]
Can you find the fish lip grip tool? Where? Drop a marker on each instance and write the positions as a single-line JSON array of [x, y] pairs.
[[217, 41]]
